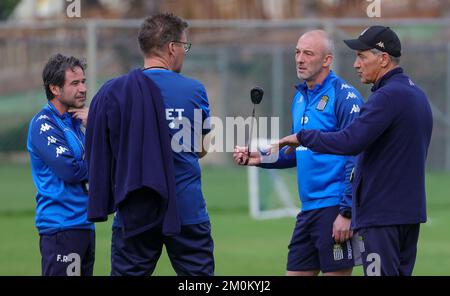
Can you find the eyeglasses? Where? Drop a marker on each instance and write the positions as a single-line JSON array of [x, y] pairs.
[[186, 45]]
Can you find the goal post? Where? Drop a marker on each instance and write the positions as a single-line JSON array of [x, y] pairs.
[[272, 193]]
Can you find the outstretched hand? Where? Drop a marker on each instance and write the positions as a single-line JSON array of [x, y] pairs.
[[290, 141]]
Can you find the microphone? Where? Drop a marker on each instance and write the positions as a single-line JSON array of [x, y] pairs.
[[256, 95]]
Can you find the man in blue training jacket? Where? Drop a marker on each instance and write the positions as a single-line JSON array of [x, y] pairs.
[[391, 137], [59, 171], [184, 108], [320, 241]]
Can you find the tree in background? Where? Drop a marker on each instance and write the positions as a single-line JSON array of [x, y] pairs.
[[6, 7]]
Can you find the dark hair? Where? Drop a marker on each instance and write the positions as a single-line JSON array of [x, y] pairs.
[[158, 30], [55, 71]]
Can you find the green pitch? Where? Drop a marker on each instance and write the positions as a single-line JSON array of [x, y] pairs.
[[243, 246]]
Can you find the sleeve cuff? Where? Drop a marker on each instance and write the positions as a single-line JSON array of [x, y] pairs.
[[342, 207], [299, 136]]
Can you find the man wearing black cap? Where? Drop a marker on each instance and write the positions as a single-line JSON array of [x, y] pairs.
[[391, 138]]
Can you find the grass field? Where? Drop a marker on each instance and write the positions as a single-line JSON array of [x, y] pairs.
[[243, 246]]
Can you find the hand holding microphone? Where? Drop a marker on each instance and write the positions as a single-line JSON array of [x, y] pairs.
[[243, 155]]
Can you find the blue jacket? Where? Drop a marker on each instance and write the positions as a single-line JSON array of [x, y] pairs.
[[59, 171], [128, 149], [391, 136], [323, 179]]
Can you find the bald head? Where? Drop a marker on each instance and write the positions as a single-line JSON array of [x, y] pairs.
[[313, 56], [320, 39]]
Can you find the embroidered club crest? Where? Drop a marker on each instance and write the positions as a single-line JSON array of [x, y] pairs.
[[338, 253], [322, 103]]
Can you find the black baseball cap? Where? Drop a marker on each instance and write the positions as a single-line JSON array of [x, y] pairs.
[[379, 37]]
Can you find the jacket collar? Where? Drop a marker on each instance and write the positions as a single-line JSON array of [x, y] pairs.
[[66, 118], [54, 110], [383, 80]]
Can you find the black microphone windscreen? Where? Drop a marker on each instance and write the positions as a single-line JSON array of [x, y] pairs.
[[256, 94]]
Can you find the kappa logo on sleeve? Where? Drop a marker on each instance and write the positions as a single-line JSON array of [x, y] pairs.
[[51, 140], [355, 109], [60, 150], [351, 95], [45, 127], [42, 117], [345, 85]]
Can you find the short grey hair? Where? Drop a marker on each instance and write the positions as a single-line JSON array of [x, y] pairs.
[[327, 40], [329, 43], [395, 60]]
